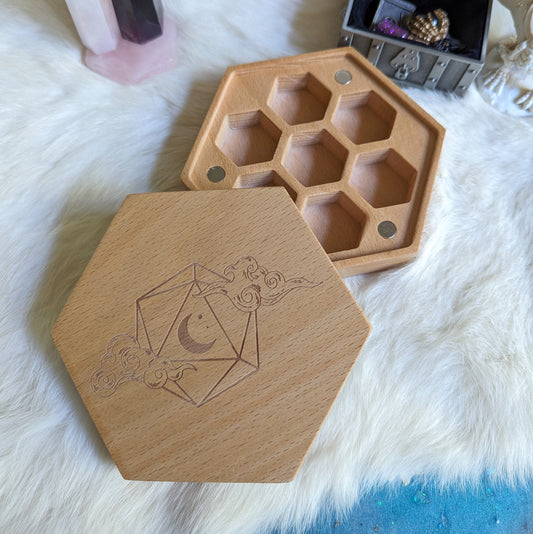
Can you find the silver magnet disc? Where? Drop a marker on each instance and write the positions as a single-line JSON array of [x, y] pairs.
[[387, 229], [216, 174], [343, 77]]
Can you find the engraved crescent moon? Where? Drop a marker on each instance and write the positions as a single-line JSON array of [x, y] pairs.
[[188, 342]]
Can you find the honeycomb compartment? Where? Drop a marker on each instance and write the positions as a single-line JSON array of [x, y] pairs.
[[299, 99], [248, 138], [383, 178], [315, 158], [265, 179], [335, 220], [364, 117], [344, 128]]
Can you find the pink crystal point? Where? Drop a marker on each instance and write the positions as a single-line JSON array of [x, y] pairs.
[[96, 23], [130, 63]]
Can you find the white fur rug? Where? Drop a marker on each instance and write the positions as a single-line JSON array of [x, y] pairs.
[[444, 385]]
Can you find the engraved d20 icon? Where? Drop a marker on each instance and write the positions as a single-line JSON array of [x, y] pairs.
[[164, 314], [196, 333], [206, 332], [221, 343]]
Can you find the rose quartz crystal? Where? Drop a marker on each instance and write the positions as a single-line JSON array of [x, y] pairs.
[[96, 23], [130, 63]]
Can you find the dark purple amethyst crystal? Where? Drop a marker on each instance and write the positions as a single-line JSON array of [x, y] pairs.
[[389, 27], [139, 21]]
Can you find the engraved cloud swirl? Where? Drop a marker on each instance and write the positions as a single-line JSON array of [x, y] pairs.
[[250, 286]]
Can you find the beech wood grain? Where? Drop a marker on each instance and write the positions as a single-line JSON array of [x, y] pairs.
[[350, 155], [209, 336]]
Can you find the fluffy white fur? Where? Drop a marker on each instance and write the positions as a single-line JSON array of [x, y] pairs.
[[444, 385]]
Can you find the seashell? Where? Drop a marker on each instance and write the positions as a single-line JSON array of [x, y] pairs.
[[431, 27]]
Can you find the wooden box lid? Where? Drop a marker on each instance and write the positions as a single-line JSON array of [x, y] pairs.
[[355, 153], [209, 336]]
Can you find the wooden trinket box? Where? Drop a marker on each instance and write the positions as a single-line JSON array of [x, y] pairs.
[[354, 152], [209, 336], [409, 62]]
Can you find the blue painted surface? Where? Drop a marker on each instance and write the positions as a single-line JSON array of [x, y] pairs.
[[421, 508]]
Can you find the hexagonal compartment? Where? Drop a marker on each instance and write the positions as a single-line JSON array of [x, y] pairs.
[[300, 99], [364, 117], [383, 178], [248, 138], [265, 179], [367, 110], [335, 220], [315, 158]]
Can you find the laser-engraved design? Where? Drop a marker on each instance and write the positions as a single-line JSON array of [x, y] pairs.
[[196, 333], [188, 342]]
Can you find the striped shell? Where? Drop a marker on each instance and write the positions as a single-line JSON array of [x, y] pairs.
[[431, 27]]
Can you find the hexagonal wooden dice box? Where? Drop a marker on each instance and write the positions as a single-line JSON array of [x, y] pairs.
[[354, 152], [209, 336]]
